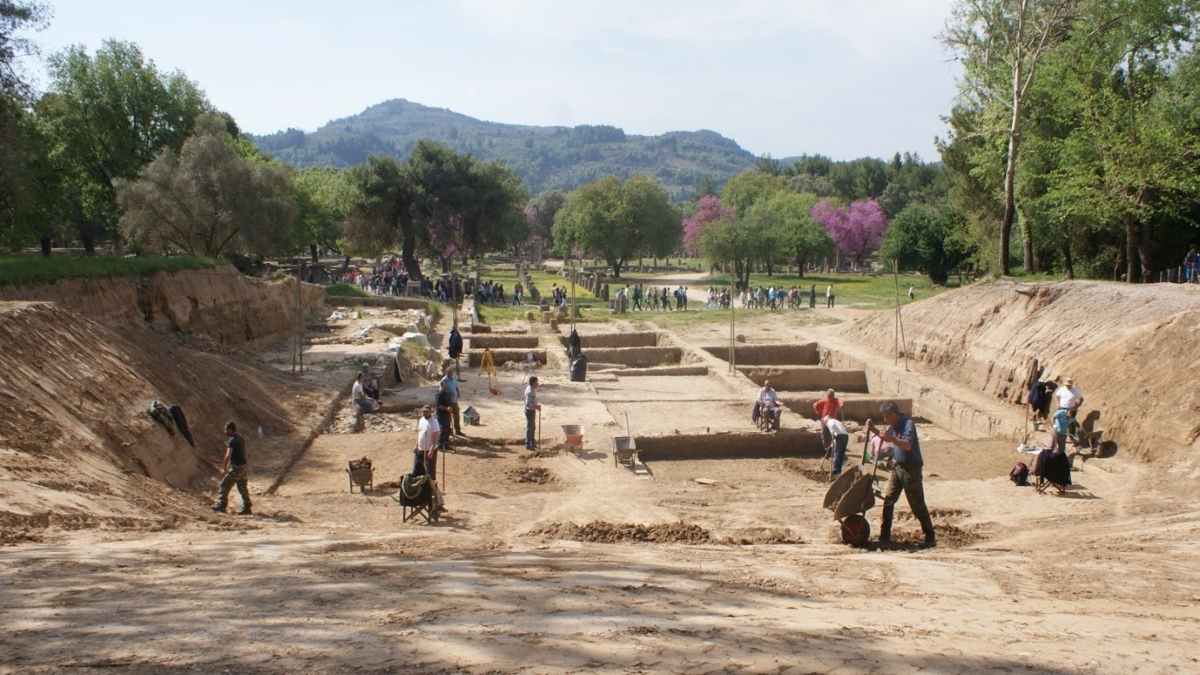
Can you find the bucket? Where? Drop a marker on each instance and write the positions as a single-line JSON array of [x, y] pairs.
[[574, 434]]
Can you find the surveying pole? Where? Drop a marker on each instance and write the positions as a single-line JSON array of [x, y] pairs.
[[732, 322], [574, 307]]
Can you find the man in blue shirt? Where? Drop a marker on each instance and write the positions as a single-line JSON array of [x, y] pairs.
[[906, 473]]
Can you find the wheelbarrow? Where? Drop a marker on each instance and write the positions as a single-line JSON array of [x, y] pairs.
[[359, 472], [850, 497]]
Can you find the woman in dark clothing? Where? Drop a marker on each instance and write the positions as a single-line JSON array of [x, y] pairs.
[[445, 407]]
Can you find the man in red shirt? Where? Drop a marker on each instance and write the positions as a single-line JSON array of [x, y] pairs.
[[830, 406]]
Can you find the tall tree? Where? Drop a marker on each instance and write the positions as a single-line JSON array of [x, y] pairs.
[[382, 215], [787, 219], [110, 115], [1001, 43], [208, 200], [617, 221], [324, 198]]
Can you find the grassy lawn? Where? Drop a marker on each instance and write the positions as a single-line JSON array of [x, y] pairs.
[[33, 270], [543, 280], [858, 290]]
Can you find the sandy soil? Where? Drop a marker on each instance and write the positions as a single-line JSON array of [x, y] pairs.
[[1099, 581]]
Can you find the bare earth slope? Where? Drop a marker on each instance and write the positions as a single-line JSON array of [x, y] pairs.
[[1131, 349], [77, 447]]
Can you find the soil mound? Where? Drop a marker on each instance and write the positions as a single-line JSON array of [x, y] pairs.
[[77, 445], [603, 532], [1129, 349], [530, 474], [762, 535]]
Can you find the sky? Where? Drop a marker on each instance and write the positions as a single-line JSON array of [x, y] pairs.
[[844, 78]]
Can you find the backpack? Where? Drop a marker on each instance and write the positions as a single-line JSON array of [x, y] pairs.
[[1019, 474]]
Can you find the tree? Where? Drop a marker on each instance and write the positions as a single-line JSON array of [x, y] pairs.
[[927, 238], [208, 200], [708, 210], [324, 198], [790, 228], [1001, 43], [856, 230], [743, 190], [382, 215], [17, 16], [540, 213], [617, 221], [110, 115]]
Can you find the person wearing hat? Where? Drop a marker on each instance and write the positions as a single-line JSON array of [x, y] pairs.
[[901, 435], [1068, 396]]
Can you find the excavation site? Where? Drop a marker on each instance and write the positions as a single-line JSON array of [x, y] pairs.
[[650, 523]]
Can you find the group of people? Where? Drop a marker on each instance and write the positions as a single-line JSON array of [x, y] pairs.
[[652, 299], [1052, 467], [776, 299]]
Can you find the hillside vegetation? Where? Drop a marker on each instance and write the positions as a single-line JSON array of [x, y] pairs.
[[546, 158]]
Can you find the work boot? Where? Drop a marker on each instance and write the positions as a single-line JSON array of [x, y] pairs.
[[218, 508], [930, 540]]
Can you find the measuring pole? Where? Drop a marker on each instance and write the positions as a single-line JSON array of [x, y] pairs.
[[574, 307], [732, 330]]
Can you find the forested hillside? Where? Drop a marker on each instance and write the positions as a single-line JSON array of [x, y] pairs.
[[546, 158]]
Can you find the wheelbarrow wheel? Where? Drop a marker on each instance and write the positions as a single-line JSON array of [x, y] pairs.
[[856, 531]]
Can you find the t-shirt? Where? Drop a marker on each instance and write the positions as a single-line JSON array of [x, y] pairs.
[[907, 429], [237, 450], [451, 383], [1067, 396], [357, 393], [836, 427], [768, 396], [827, 408], [530, 397]]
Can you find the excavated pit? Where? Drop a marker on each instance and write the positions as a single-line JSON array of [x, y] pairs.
[[498, 341], [807, 354], [635, 357], [807, 378], [618, 340], [749, 445], [858, 409], [668, 371], [502, 356]]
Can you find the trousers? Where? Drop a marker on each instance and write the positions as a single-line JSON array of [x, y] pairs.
[[235, 476], [906, 479], [530, 424]]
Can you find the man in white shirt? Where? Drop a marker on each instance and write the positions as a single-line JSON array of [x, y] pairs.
[[768, 404], [841, 438], [1069, 397], [362, 402], [531, 410], [428, 432]]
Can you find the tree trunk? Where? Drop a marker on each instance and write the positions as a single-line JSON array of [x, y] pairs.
[[801, 259], [1144, 253], [1131, 252], [1030, 260], [45, 242], [1010, 165], [1068, 261], [87, 236], [312, 251], [411, 264], [616, 267]]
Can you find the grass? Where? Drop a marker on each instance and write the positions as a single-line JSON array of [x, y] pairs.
[[36, 270], [345, 291], [693, 317], [544, 281], [858, 290]]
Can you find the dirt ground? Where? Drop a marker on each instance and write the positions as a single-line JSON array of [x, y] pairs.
[[518, 575]]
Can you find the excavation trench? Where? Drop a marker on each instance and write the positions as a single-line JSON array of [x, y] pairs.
[[807, 378], [502, 356], [807, 354], [858, 409], [617, 340], [499, 341], [635, 357], [749, 445]]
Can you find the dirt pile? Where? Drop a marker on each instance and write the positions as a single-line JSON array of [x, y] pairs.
[[77, 446], [530, 474], [604, 532], [221, 303], [1129, 348]]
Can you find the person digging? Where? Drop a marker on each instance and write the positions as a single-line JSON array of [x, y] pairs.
[[234, 470], [901, 434]]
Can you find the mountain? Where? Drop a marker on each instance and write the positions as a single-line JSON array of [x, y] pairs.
[[547, 158]]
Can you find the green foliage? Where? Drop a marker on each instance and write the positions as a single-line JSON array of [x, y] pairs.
[[345, 291], [544, 158], [324, 198], [208, 200], [927, 238], [617, 221], [109, 115], [784, 226], [27, 270]]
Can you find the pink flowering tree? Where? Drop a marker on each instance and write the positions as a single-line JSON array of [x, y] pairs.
[[857, 230], [708, 211]]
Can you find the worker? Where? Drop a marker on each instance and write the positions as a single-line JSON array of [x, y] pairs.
[[234, 470], [451, 383], [901, 434], [425, 456], [358, 394], [532, 407], [840, 439], [1068, 396], [445, 411], [574, 344], [829, 406], [768, 403]]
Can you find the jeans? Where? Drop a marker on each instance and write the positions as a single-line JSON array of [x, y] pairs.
[[906, 479], [839, 452], [444, 437], [530, 425], [235, 476]]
